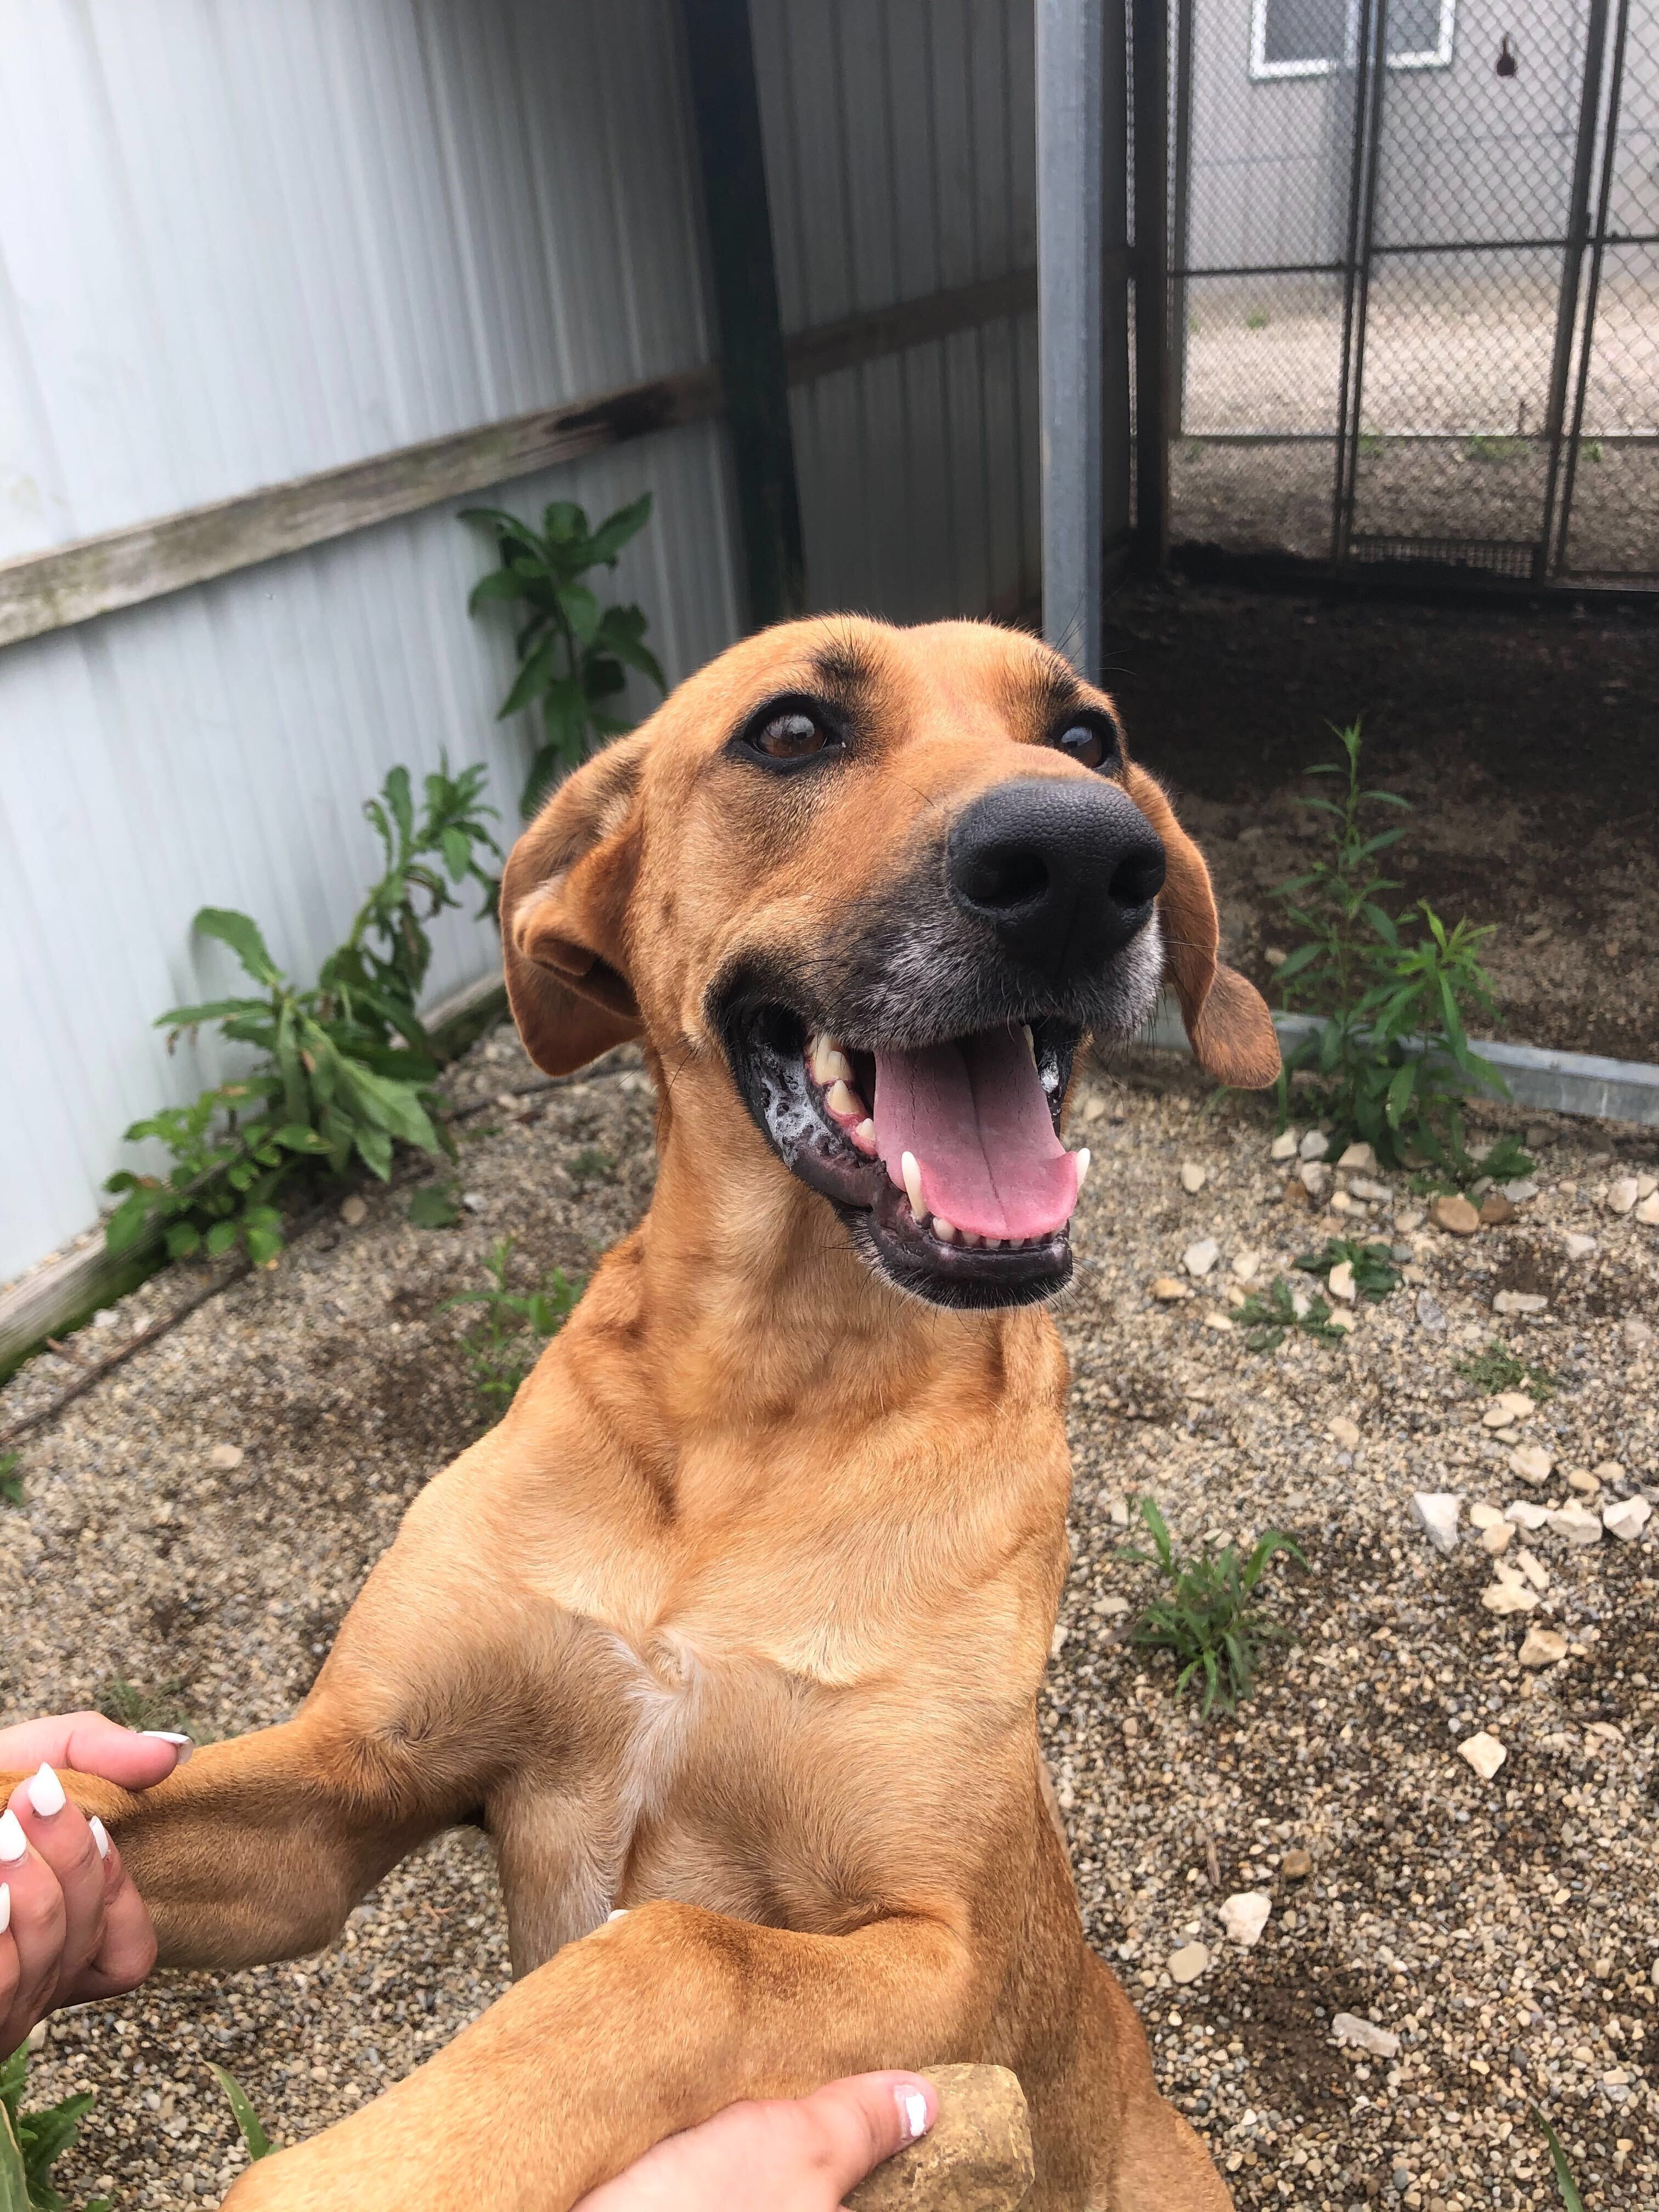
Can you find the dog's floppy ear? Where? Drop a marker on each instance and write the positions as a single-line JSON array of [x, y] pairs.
[[1227, 1021], [564, 907]]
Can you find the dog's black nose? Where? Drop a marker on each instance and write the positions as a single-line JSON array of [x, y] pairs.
[[1065, 872]]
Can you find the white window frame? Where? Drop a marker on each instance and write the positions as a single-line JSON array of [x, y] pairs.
[[1439, 56]]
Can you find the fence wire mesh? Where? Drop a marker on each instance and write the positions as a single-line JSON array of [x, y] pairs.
[[1414, 282]]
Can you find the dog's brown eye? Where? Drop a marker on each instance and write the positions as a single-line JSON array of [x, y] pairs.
[[1088, 742], [792, 736]]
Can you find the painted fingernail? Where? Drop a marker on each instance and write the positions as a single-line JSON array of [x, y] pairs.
[[5, 1907], [181, 1744], [99, 1836], [13, 1842], [913, 2106], [47, 1793]]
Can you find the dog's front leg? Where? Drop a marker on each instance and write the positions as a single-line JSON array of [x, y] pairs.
[[654, 2023]]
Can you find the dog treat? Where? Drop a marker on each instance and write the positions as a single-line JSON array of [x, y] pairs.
[[976, 2158]]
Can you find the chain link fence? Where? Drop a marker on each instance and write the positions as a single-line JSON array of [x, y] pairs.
[[1414, 282]]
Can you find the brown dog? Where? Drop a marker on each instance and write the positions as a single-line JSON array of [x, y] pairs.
[[738, 1619]]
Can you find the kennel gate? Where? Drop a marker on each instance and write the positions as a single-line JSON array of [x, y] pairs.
[[1414, 283]]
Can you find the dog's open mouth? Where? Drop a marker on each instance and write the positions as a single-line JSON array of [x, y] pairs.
[[944, 1158]]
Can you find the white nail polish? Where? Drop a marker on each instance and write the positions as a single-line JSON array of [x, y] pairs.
[[181, 1744], [13, 1842], [913, 2106], [99, 1836], [47, 1793], [5, 1907]]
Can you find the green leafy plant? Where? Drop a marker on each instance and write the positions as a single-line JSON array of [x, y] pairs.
[[1496, 1368], [512, 1326], [1488, 449], [573, 655], [1392, 1062], [435, 1206], [1566, 2187], [1374, 1272], [1209, 1619], [254, 2134], [1257, 319], [1268, 1316], [346, 1066], [31, 2144], [593, 1164], [11, 1482]]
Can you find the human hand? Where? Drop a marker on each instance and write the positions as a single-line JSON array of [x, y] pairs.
[[72, 1926], [799, 2156]]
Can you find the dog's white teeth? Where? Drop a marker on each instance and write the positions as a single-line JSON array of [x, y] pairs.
[[827, 1062], [944, 1231], [1081, 1156], [972, 1239], [994, 1244], [840, 1100], [865, 1136], [836, 1066], [910, 1168]]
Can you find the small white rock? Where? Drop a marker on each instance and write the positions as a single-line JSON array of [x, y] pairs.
[[1315, 1177], [1621, 1195], [1577, 1524], [1341, 1282], [1199, 1259], [473, 1201], [1245, 1265], [1111, 1608], [1484, 1753], [1343, 1431], [1436, 1512], [1520, 1302], [1526, 1515], [1647, 1212], [1284, 1146], [105, 1317], [1638, 1335], [1353, 2033], [1647, 1186], [1522, 1193], [1314, 1144], [1542, 1646], [225, 1457], [1410, 1221], [1579, 1246], [353, 1211], [1344, 1324], [1193, 1177], [1626, 1518], [1532, 1463], [1516, 1405], [1507, 1596], [1378, 1193], [1496, 1539], [1244, 1916], [1360, 1157], [1486, 1516], [1532, 1567]]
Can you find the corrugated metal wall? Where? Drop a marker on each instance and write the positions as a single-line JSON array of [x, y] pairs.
[[239, 240], [900, 161], [242, 241]]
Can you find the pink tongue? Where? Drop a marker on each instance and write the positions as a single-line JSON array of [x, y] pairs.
[[976, 1115]]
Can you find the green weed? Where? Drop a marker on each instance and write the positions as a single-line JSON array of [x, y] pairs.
[[1257, 319], [1375, 1275], [1506, 1161], [513, 1326], [1392, 1062], [593, 1164], [1487, 450], [1209, 1619], [1566, 2185], [259, 2143], [135, 1707], [31, 2144], [346, 1066], [11, 1482], [1497, 1367], [435, 1206], [574, 656], [1268, 1316]]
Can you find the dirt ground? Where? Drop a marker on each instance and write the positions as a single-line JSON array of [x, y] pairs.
[[1526, 740], [1506, 1930]]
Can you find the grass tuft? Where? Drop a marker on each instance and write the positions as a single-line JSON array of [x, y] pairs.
[[31, 2144], [1209, 1619], [513, 1326], [1497, 1367], [1375, 1275]]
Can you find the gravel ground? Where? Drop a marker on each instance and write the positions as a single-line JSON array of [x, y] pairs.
[[1507, 1931]]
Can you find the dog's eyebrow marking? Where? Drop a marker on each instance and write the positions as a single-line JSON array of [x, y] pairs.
[[845, 668]]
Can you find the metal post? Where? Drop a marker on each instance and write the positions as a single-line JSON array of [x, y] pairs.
[[1179, 221], [1151, 96], [725, 103], [1362, 227], [1593, 300], [1572, 265], [1071, 176]]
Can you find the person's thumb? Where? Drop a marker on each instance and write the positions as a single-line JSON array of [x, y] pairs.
[[865, 2118]]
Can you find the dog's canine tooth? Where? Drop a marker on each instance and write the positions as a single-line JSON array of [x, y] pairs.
[[1081, 1156], [865, 1136], [1030, 1042], [910, 1168], [836, 1066], [840, 1100], [944, 1231]]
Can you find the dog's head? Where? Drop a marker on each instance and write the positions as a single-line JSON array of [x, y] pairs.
[[884, 880]]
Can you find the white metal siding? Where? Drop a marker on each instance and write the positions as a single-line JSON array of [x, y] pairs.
[[241, 240], [900, 161]]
